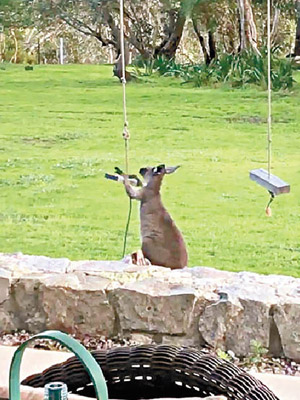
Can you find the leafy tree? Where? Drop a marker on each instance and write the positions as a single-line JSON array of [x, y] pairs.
[[297, 39], [218, 19], [153, 28], [15, 13]]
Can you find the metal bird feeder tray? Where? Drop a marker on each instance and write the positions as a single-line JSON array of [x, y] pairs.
[[272, 183], [85, 357]]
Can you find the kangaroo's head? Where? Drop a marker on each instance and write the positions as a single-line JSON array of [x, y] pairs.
[[153, 176]]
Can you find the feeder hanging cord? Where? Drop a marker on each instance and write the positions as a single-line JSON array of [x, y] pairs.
[[126, 135], [272, 197]]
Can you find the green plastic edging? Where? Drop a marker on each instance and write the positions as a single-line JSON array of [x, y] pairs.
[[71, 344]]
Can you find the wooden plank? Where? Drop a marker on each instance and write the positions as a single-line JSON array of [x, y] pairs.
[[272, 183]]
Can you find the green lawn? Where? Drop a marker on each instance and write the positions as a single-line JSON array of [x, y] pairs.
[[60, 131]]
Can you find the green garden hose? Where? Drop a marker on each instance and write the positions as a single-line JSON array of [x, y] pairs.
[[71, 344]]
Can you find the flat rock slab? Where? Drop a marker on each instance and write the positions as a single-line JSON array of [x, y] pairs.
[[19, 264], [192, 306]]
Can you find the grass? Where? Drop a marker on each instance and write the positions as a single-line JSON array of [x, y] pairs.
[[61, 130]]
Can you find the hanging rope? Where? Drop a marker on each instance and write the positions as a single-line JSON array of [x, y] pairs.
[[269, 135], [125, 134], [269, 130]]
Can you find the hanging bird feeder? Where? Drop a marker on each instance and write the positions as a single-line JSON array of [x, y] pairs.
[[272, 183]]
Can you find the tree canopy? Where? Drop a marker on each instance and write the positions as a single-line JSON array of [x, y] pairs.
[[155, 28]]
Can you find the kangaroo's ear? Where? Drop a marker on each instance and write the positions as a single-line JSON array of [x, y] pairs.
[[160, 169], [170, 170], [143, 171], [118, 171]]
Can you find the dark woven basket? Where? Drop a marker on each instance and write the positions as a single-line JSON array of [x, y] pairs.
[[150, 371]]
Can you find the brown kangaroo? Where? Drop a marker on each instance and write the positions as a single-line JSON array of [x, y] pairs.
[[162, 242], [117, 70]]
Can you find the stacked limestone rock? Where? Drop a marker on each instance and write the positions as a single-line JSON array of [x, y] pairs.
[[194, 306]]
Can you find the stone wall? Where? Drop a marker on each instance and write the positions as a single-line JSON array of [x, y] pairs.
[[192, 306]]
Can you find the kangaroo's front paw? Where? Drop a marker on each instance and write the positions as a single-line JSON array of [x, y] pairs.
[[136, 258], [139, 259]]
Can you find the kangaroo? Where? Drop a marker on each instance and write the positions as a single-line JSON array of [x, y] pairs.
[[162, 242], [117, 70]]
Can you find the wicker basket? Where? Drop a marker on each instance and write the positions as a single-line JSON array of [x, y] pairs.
[[151, 371]]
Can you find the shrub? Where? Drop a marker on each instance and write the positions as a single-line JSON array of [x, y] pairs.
[[160, 65], [243, 69], [237, 70]]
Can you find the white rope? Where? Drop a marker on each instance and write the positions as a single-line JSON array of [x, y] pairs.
[[269, 135], [126, 135]]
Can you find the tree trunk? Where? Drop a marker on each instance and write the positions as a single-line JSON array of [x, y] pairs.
[[169, 46], [211, 53], [241, 13], [206, 55], [297, 39], [212, 46], [275, 24], [39, 51], [2, 46], [250, 26], [15, 56], [115, 31], [248, 31]]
